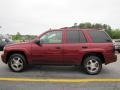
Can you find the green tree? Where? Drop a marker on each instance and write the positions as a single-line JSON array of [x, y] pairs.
[[85, 25], [17, 36], [97, 26], [115, 34]]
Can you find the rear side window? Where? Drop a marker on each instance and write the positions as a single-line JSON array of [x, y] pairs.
[[99, 37], [75, 36]]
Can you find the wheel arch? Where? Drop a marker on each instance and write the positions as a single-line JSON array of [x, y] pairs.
[[16, 52], [99, 54]]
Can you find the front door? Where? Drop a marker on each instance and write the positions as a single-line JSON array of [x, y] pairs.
[[50, 49]]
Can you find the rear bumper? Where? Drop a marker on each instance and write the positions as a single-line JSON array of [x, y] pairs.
[[110, 58], [3, 57]]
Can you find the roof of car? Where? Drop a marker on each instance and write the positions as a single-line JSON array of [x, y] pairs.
[[66, 28]]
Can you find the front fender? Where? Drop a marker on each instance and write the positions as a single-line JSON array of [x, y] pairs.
[[26, 52]]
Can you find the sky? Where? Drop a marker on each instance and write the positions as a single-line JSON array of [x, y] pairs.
[[37, 16]]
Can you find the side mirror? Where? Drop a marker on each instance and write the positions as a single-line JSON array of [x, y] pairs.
[[37, 42]]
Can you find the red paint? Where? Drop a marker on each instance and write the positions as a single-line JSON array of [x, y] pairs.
[[67, 53]]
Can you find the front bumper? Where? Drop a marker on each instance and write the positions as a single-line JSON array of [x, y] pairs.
[[3, 57]]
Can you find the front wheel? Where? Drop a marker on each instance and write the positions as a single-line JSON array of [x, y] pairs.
[[17, 63], [92, 65]]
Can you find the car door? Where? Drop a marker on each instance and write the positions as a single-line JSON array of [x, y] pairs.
[[50, 49], [74, 46]]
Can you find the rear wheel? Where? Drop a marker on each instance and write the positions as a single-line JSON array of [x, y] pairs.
[[92, 65], [17, 62]]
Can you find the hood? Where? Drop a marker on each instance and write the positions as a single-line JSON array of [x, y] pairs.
[[17, 44]]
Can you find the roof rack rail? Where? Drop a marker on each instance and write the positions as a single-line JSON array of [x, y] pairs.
[[65, 28]]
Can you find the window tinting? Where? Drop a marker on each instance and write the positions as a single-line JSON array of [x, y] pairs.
[[75, 36], [99, 36]]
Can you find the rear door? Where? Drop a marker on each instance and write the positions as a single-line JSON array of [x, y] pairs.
[[74, 44]]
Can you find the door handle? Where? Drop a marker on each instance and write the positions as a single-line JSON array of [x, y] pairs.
[[58, 47], [84, 47]]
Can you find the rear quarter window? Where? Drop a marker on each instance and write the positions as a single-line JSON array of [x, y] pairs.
[[99, 37]]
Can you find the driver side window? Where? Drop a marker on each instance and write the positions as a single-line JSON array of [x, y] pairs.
[[53, 37]]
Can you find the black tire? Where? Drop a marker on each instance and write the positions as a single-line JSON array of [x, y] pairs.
[[118, 51], [96, 63], [22, 62], [1, 49]]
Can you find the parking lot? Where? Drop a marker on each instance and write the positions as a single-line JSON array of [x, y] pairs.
[[53, 75]]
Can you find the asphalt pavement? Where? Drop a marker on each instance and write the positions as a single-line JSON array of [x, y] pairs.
[[51, 73]]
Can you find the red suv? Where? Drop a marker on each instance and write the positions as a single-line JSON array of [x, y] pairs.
[[69, 46]]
